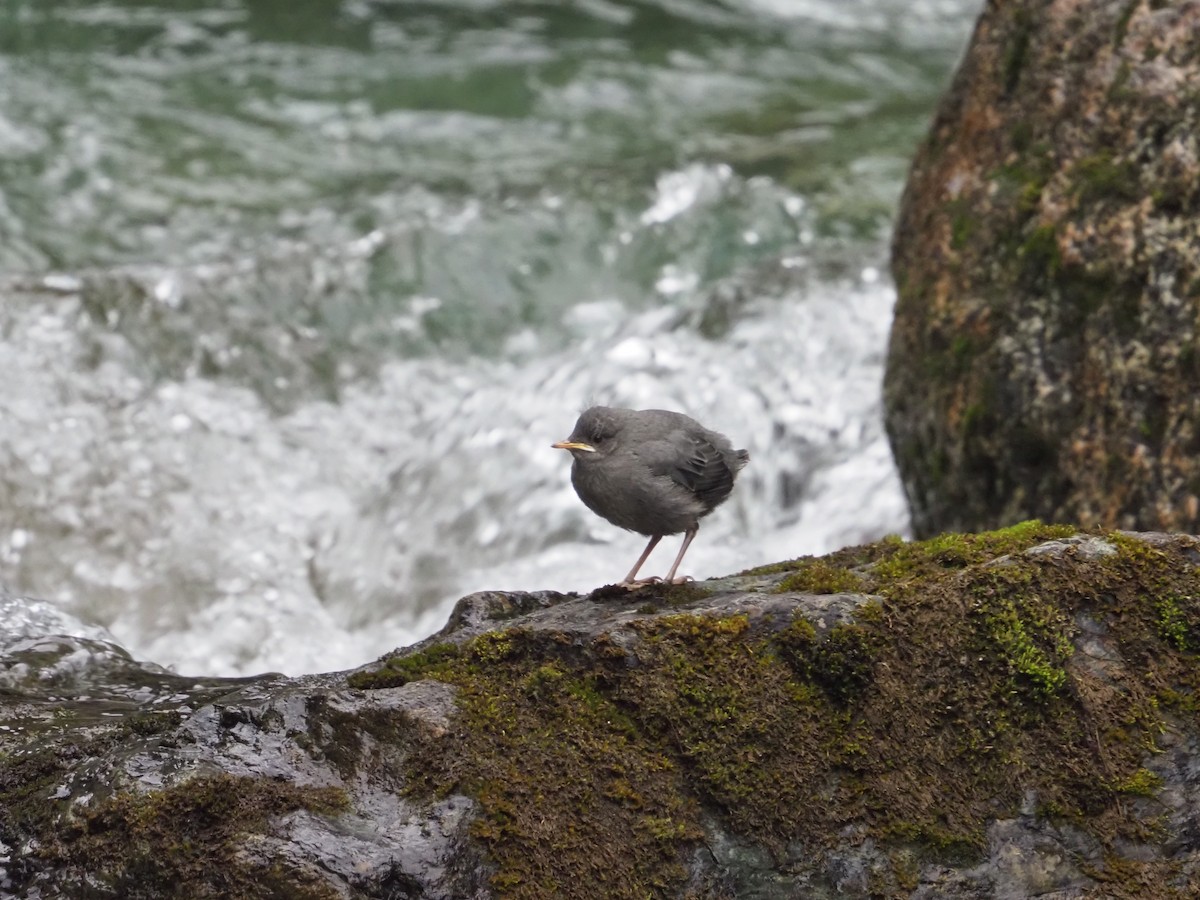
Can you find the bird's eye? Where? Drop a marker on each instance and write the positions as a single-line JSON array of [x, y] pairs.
[[596, 429]]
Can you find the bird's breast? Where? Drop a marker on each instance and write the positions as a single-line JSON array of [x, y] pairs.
[[630, 496]]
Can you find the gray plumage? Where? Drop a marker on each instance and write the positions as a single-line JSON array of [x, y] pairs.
[[652, 471]]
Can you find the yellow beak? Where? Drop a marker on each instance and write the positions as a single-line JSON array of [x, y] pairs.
[[573, 445]]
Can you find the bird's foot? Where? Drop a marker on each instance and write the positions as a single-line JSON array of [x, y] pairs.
[[641, 582], [654, 579]]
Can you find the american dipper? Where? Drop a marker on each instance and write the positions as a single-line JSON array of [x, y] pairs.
[[651, 471]]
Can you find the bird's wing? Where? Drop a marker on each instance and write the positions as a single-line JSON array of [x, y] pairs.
[[693, 461]]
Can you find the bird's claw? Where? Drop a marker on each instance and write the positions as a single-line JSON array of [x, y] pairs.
[[654, 579], [641, 582]]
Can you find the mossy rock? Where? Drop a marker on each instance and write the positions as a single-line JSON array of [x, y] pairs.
[[944, 702], [1047, 263], [911, 713]]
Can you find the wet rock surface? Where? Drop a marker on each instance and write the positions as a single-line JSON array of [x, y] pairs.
[[1000, 715], [1043, 356]]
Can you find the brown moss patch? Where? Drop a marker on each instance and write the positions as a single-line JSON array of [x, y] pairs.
[[27, 778], [371, 740], [152, 845], [575, 801], [146, 724], [663, 594], [842, 664], [148, 845]]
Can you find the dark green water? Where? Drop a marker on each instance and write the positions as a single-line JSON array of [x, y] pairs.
[[297, 295]]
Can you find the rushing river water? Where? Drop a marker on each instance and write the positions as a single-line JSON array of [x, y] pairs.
[[298, 294]]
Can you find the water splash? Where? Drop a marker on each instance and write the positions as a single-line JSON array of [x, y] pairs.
[[287, 339]]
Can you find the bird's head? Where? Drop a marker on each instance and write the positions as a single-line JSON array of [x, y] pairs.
[[594, 435]]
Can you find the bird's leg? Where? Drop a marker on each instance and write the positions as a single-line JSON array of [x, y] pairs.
[[628, 581], [687, 540]]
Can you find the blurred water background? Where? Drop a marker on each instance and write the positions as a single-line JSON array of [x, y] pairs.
[[296, 296]]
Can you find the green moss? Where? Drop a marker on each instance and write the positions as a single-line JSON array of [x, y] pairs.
[[1017, 50], [819, 577], [776, 568], [1100, 176], [495, 646], [962, 348], [948, 843], [1024, 180], [951, 361], [845, 662], [1177, 620], [722, 702], [1030, 197], [1118, 91], [962, 226], [797, 645], [841, 663], [848, 557], [1122, 26], [1142, 783], [1039, 253], [1184, 703], [1085, 292], [402, 668], [1022, 644], [964, 221], [904, 561], [975, 417], [1021, 135]]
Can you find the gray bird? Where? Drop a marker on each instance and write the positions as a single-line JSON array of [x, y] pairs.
[[651, 471]]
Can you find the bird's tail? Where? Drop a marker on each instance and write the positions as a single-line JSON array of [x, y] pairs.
[[743, 457]]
